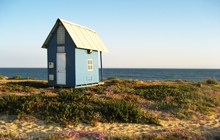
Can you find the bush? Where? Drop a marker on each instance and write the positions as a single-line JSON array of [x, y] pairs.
[[123, 111], [30, 84], [169, 80], [179, 80], [160, 92], [111, 78], [3, 77], [71, 107], [199, 84], [17, 77], [211, 81], [117, 80]]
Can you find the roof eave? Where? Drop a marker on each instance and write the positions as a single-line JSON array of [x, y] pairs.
[[51, 33]]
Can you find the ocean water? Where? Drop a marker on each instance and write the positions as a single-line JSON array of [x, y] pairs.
[[36, 73], [163, 74], [126, 73]]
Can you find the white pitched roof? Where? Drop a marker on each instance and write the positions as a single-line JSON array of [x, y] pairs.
[[83, 37]]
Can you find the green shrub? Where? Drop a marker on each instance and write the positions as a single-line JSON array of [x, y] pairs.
[[2, 77], [123, 111], [160, 92], [179, 80], [199, 84], [117, 80], [71, 107], [169, 80], [17, 77], [204, 109], [111, 78], [29, 83], [211, 81], [95, 89], [23, 86]]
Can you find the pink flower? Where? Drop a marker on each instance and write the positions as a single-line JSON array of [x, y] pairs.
[[169, 98]]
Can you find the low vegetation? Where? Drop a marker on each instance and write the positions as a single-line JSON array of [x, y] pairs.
[[211, 81], [129, 101], [70, 107], [18, 87], [17, 77], [3, 77]]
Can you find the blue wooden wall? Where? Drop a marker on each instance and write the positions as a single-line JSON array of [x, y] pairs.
[[83, 76], [76, 63], [70, 58]]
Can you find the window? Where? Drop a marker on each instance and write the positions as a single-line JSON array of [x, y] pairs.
[[51, 77], [61, 35], [61, 49], [90, 65]]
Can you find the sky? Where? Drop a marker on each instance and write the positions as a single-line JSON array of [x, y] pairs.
[[138, 33]]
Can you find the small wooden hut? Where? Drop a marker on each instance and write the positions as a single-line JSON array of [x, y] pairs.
[[72, 55]]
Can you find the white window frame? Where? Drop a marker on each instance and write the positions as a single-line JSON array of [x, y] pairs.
[[60, 35], [90, 66]]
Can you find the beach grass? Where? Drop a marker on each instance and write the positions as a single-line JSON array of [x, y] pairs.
[[119, 100]]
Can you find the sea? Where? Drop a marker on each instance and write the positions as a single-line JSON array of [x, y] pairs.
[[143, 74]]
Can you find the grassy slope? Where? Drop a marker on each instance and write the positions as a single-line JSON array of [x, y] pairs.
[[130, 101]]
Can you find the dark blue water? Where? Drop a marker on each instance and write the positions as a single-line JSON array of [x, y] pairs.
[[163, 74], [140, 74], [36, 73]]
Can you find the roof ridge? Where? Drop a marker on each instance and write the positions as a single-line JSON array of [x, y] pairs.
[[82, 37], [62, 20]]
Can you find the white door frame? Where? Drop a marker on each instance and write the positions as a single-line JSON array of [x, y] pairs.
[[61, 68]]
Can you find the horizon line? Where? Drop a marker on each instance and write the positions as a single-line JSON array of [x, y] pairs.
[[121, 68]]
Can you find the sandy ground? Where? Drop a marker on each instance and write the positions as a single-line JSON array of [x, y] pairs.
[[35, 127]]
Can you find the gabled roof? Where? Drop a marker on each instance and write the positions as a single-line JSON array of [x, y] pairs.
[[83, 37]]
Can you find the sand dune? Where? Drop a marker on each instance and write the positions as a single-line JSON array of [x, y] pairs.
[[32, 126]]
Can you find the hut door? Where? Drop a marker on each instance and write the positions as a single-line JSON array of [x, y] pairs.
[[61, 68]]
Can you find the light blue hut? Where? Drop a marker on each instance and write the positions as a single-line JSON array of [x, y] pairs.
[[72, 55]]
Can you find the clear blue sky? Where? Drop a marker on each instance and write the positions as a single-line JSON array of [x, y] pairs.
[[138, 33]]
